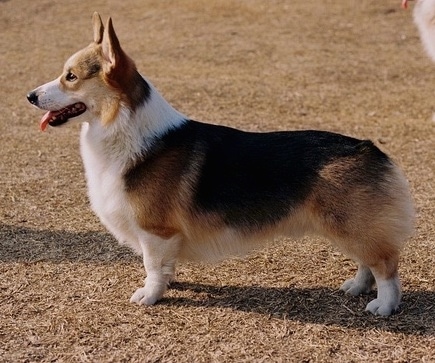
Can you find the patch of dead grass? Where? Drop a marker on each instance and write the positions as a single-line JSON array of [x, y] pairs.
[[351, 67]]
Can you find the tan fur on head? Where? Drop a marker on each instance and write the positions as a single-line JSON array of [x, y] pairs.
[[104, 68], [87, 65], [98, 28]]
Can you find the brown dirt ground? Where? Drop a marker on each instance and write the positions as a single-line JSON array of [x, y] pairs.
[[355, 67]]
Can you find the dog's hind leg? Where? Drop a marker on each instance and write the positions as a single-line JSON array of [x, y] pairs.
[[365, 207], [388, 284], [159, 258], [377, 264], [389, 291], [377, 253], [362, 283]]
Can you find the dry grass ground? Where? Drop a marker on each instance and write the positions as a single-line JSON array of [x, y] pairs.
[[355, 67]]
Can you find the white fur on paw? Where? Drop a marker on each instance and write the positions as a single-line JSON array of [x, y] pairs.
[[381, 307], [142, 296], [352, 287]]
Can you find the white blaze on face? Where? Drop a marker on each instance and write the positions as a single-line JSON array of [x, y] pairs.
[[51, 97]]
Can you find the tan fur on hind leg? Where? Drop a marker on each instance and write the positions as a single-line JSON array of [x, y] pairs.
[[380, 266], [388, 284], [370, 224]]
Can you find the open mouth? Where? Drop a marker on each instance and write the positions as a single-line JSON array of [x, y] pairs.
[[57, 118]]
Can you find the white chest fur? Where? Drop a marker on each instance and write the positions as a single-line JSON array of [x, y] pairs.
[[107, 150], [106, 191]]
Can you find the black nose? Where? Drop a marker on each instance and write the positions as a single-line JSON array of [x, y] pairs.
[[32, 97]]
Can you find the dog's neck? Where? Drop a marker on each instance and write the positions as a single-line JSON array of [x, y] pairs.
[[133, 132]]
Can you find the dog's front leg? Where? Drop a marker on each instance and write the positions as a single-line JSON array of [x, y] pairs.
[[159, 258]]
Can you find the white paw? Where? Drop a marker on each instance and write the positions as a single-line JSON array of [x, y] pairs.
[[382, 307], [143, 296], [354, 287]]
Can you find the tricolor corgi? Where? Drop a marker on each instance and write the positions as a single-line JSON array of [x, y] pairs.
[[173, 188]]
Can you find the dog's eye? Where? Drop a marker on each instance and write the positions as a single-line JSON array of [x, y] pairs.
[[70, 77]]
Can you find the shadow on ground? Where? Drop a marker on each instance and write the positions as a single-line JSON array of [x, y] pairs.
[[315, 305], [309, 305], [22, 244]]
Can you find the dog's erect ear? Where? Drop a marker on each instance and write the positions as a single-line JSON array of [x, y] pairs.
[[112, 51], [97, 23]]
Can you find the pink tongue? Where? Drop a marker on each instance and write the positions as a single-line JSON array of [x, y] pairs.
[[45, 120]]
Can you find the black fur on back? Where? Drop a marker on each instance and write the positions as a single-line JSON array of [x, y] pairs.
[[257, 178]]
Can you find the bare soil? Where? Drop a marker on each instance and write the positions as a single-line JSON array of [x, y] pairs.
[[355, 67]]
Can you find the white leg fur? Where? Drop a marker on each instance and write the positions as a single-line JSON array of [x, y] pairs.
[[424, 17], [159, 258], [389, 294], [362, 283]]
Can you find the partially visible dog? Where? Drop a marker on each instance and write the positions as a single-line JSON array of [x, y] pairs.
[[424, 18], [173, 188]]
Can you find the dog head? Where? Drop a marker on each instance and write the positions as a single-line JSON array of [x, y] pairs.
[[95, 84]]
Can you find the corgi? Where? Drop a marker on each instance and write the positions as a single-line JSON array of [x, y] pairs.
[[424, 18], [173, 188]]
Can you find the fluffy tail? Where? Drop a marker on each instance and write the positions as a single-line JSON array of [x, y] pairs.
[[424, 17]]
